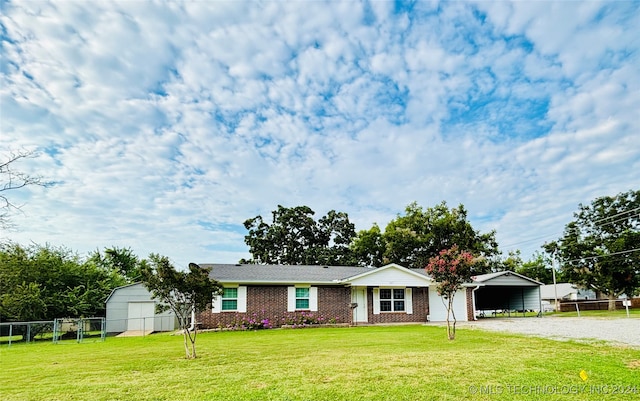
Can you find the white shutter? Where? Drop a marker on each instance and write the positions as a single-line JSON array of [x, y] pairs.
[[376, 301], [408, 302], [291, 299], [216, 304], [242, 298], [313, 299]]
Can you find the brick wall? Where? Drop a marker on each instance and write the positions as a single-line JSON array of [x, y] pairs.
[[470, 315], [420, 298], [270, 302], [335, 303]]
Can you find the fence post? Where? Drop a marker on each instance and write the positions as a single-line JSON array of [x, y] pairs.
[[10, 333], [55, 331], [578, 309]]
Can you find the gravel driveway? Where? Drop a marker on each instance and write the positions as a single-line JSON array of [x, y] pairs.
[[621, 331]]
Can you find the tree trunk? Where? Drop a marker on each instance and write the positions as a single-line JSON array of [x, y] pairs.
[[185, 335], [193, 342], [451, 330], [612, 302], [453, 314]]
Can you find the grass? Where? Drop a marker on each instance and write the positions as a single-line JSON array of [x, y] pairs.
[[359, 363]]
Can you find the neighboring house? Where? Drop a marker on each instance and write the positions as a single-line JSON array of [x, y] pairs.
[[565, 292], [132, 308], [354, 295]]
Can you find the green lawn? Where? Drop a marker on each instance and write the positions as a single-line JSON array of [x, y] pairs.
[[360, 363]]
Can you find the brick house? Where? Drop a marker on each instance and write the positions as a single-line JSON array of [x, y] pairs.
[[341, 294]]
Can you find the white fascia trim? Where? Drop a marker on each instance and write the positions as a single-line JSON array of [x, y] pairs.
[[422, 277]]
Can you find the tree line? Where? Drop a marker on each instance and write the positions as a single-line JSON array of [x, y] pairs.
[[599, 249], [43, 282]]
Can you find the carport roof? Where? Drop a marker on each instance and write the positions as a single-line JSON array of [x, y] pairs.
[[505, 278]]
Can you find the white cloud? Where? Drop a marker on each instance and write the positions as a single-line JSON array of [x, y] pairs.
[[168, 125]]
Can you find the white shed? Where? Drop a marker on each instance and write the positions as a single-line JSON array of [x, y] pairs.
[[132, 308]]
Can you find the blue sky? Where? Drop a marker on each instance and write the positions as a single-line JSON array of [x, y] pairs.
[[165, 126]]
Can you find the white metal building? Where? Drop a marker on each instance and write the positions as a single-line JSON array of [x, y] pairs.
[[132, 308]]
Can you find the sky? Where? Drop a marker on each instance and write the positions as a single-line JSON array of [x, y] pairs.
[[163, 126]]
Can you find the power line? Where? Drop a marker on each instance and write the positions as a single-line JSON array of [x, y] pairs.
[[603, 256], [618, 214], [594, 222]]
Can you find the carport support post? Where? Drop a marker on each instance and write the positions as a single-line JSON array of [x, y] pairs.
[[555, 288]]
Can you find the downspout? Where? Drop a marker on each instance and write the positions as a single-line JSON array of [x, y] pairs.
[[193, 320], [473, 302]]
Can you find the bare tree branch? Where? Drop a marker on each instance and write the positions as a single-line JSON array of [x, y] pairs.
[[12, 179]]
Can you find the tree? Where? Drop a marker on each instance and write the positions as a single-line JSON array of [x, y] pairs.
[[121, 261], [537, 268], [600, 248], [369, 247], [451, 268], [12, 179], [185, 293], [295, 238], [418, 235]]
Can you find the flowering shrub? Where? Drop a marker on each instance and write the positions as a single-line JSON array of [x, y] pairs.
[[259, 321], [249, 322], [303, 319]]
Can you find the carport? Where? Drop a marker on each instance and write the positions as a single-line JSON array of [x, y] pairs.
[[505, 292]]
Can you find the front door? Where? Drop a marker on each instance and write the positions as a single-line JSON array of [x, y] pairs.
[[359, 297]]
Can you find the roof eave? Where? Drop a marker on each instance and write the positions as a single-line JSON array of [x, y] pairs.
[[278, 282]]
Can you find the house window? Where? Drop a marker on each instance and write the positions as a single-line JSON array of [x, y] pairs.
[[302, 298], [230, 299], [392, 300]]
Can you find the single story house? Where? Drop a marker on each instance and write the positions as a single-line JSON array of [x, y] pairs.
[[354, 295], [566, 292], [132, 308]]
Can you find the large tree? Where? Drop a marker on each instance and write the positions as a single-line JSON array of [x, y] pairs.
[[420, 234], [600, 248], [538, 268], [11, 179], [184, 292], [294, 237], [369, 247], [121, 261]]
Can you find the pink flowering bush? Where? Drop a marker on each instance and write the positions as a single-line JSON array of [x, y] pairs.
[[252, 321], [304, 319], [451, 268], [260, 321]]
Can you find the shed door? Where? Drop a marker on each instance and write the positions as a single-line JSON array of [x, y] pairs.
[[140, 316]]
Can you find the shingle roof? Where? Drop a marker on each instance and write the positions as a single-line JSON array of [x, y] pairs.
[[310, 274]]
